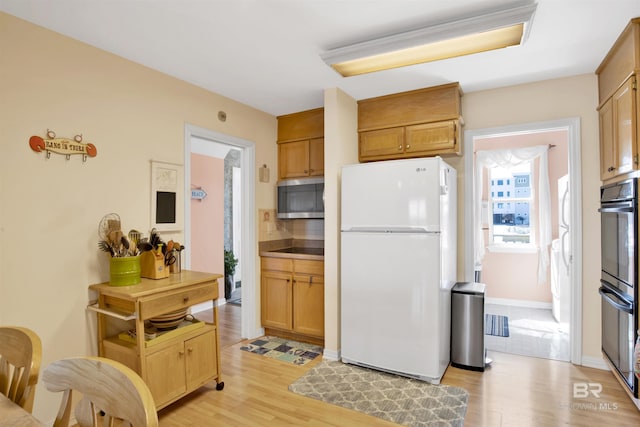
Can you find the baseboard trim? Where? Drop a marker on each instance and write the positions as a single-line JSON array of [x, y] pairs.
[[595, 362], [518, 303], [332, 355]]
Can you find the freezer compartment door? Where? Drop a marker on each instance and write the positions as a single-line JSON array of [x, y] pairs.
[[395, 308], [400, 193]]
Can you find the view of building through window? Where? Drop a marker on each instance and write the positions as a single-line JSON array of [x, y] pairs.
[[511, 204]]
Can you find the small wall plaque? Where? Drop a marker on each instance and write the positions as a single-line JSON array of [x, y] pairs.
[[198, 194], [64, 146]]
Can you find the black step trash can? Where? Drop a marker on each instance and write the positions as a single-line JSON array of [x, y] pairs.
[[467, 326]]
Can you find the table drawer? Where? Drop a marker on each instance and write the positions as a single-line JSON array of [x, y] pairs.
[[182, 298]]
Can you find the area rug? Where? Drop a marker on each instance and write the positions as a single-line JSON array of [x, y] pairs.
[[297, 353], [391, 397], [496, 325]]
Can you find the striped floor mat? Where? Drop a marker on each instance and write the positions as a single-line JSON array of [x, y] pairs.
[[496, 325]]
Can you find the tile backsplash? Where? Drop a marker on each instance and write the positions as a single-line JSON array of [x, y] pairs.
[[272, 228]]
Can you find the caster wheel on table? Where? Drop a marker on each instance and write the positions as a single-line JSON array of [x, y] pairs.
[[220, 386]]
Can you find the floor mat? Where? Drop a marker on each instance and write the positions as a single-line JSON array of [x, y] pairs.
[[401, 400], [496, 325], [289, 351]]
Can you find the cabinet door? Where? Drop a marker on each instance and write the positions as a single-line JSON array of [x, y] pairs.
[[432, 139], [166, 373], [293, 159], [200, 359], [308, 305], [607, 150], [624, 127], [276, 300], [316, 157], [381, 144]]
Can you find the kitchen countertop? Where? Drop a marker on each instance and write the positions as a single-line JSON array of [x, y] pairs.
[[292, 248]]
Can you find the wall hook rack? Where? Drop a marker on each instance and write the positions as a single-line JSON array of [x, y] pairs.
[[64, 146]]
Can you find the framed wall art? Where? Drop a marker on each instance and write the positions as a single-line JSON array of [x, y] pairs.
[[167, 198]]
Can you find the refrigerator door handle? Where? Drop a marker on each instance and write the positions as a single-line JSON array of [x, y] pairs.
[[563, 250], [563, 213]]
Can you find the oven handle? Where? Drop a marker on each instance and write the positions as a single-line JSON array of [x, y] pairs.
[[616, 209], [627, 308]]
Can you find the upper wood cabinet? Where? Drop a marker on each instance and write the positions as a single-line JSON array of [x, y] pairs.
[[419, 123], [619, 100], [618, 141], [298, 159], [301, 144]]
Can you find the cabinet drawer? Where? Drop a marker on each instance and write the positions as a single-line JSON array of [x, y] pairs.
[[304, 266], [182, 298], [277, 264]]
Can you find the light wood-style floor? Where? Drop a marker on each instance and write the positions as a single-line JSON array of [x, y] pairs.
[[515, 391]]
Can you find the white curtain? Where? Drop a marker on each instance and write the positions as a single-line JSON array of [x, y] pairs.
[[506, 159]]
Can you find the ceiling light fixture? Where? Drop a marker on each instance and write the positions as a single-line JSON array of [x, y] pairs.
[[492, 30]]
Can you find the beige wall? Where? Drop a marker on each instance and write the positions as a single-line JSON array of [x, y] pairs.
[[340, 148], [545, 101], [50, 208]]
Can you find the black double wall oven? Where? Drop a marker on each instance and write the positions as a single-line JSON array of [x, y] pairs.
[[619, 280]]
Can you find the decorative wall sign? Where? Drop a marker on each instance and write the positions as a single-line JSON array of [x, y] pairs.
[[198, 193], [166, 196], [64, 146]]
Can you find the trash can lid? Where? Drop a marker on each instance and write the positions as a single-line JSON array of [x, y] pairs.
[[473, 288]]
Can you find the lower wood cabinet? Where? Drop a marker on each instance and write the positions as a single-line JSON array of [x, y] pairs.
[[191, 363], [292, 295], [176, 362]]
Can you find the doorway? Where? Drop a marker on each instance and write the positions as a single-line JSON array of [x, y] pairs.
[[524, 316], [245, 196]]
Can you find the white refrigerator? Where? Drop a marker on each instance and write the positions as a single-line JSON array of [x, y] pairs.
[[398, 265]]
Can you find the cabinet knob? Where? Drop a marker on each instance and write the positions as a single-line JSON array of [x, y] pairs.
[[611, 169], [190, 350], [181, 353], [400, 147], [185, 300], [306, 171], [408, 146]]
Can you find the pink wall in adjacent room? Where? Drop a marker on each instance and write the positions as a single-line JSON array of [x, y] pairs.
[[207, 216], [514, 275]]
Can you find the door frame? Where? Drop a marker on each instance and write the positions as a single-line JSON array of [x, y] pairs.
[[572, 125], [248, 251]]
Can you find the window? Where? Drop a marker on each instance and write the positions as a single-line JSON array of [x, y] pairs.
[[511, 223]]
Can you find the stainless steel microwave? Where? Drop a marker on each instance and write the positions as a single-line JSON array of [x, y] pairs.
[[301, 198]]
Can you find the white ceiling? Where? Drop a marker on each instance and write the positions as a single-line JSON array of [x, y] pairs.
[[266, 53]]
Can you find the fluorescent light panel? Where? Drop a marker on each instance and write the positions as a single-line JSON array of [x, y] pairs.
[[494, 30]]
